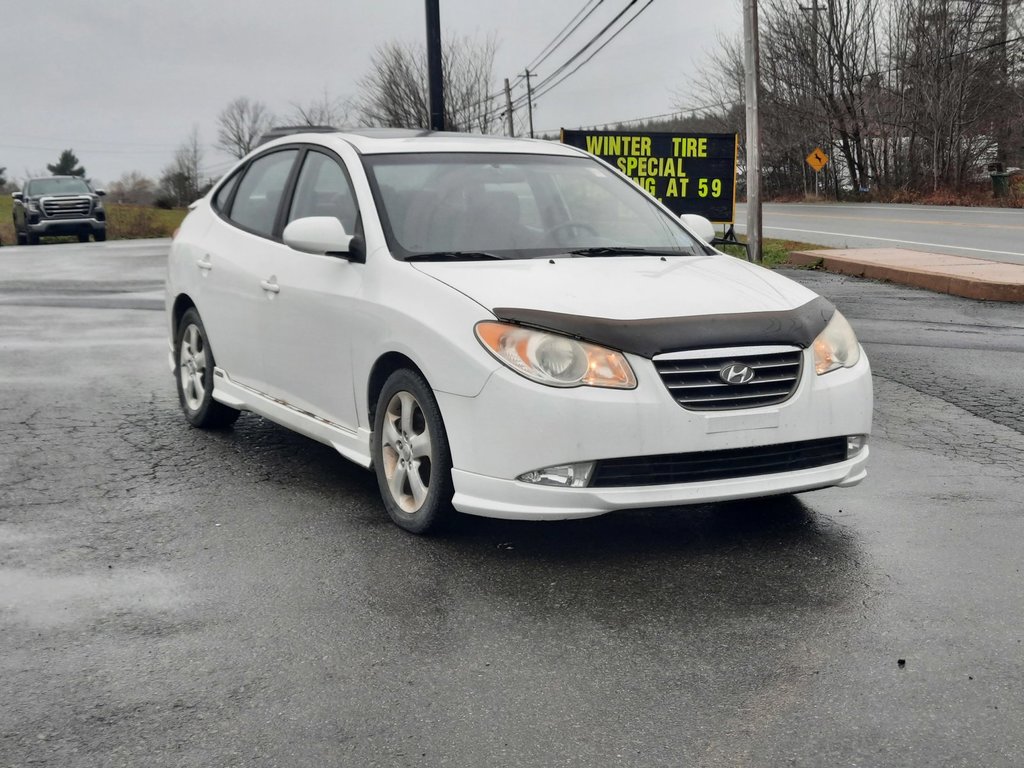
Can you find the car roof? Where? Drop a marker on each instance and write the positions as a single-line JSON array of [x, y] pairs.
[[375, 141]]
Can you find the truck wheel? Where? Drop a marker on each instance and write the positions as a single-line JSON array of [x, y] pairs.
[[100, 236], [33, 238], [83, 237]]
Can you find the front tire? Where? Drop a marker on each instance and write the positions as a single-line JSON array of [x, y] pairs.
[[99, 236], [411, 457], [194, 376]]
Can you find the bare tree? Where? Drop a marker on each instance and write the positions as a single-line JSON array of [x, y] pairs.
[[902, 94], [181, 180], [132, 188], [395, 92], [324, 110], [240, 125]]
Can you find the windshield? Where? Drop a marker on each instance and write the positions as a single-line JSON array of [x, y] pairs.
[[514, 206], [57, 187]]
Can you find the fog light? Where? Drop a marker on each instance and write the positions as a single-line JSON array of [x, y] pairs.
[[855, 444], [563, 475]]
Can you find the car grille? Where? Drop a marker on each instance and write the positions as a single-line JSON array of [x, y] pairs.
[[704, 466], [696, 384], [66, 207]]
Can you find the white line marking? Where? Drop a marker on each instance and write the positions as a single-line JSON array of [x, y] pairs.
[[929, 209], [895, 240]]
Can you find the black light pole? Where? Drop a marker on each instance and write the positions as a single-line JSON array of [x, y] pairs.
[[434, 66], [751, 68]]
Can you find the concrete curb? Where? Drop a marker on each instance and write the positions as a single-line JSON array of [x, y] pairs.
[[957, 275]]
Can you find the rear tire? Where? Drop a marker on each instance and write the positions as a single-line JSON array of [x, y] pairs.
[[194, 376], [411, 457]]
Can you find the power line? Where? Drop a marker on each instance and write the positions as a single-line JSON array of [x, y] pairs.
[[556, 42], [553, 80], [928, 62], [544, 53], [731, 102], [543, 88], [90, 151], [585, 47], [679, 112]]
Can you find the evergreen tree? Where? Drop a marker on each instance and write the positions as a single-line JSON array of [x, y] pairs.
[[67, 165]]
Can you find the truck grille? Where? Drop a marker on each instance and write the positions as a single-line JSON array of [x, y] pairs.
[[704, 466], [66, 207], [697, 383]]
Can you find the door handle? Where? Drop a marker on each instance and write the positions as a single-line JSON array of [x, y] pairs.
[[204, 263], [270, 286]]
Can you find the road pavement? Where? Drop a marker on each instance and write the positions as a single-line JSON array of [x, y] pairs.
[[988, 233], [173, 597]]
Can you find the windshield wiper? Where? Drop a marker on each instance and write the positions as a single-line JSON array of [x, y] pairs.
[[619, 250], [453, 256]]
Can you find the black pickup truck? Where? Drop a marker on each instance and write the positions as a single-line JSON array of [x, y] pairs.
[[52, 206]]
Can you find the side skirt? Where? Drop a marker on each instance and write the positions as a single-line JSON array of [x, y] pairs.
[[354, 445]]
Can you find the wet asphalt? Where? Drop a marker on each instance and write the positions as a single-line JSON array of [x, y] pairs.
[[170, 597]]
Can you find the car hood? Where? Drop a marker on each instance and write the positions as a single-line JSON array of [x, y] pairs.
[[644, 304], [624, 288]]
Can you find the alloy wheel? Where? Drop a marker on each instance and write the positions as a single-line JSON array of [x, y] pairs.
[[192, 365], [407, 451]]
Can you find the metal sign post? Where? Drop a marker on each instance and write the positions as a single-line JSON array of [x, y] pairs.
[[817, 160]]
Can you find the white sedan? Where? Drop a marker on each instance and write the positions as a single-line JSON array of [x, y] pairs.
[[507, 328]]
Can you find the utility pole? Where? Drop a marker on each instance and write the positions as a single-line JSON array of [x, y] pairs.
[[508, 108], [1003, 133], [434, 73], [751, 66], [529, 100]]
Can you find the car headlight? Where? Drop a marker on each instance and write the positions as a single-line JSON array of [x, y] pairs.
[[836, 346], [555, 360], [32, 205]]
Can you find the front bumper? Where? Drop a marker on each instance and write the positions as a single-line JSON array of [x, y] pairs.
[[515, 426], [59, 227], [514, 500]]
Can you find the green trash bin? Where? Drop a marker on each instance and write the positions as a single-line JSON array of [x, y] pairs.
[[1000, 184]]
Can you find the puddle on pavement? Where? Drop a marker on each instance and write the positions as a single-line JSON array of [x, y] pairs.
[[40, 600]]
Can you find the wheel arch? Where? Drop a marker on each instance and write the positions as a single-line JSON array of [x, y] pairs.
[[182, 304], [384, 366]]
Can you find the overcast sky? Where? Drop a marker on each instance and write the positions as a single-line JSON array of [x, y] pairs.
[[123, 82]]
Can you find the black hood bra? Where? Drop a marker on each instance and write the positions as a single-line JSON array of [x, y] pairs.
[[648, 338]]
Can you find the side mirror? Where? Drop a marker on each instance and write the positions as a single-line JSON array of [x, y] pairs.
[[700, 226], [17, 196], [101, 192], [320, 235]]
